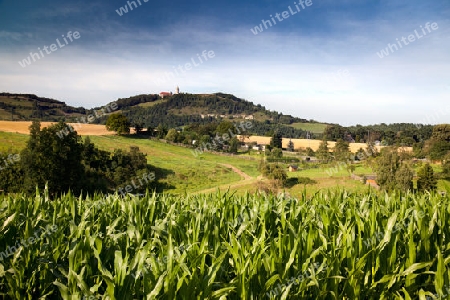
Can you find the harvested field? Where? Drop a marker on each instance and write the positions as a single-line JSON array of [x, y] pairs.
[[313, 144], [82, 129]]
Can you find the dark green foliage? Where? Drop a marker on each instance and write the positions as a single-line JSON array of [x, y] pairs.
[[56, 160], [234, 144], [341, 150], [161, 131], [65, 162], [10, 172], [306, 180], [323, 153], [438, 149], [334, 132], [173, 136], [404, 178], [118, 123], [275, 172], [290, 182], [138, 127], [392, 173], [290, 146], [277, 140], [124, 103], [426, 180], [439, 144], [397, 134], [446, 169], [310, 152], [225, 127], [276, 153], [216, 104]]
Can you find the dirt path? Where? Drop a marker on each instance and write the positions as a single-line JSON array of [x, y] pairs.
[[236, 170], [246, 179]]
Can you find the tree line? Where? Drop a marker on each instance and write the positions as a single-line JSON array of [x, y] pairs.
[[67, 163]]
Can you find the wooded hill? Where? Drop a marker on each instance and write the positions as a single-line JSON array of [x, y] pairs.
[[183, 109], [26, 107]]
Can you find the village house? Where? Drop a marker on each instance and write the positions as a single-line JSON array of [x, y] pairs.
[[293, 168], [165, 94]]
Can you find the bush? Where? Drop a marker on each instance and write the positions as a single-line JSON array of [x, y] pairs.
[[275, 172], [306, 180]]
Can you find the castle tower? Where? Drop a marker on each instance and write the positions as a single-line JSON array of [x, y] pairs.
[[177, 91]]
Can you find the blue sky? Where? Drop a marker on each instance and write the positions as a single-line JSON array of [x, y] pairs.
[[320, 63]]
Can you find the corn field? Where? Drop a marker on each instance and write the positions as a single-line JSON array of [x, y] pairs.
[[333, 245]]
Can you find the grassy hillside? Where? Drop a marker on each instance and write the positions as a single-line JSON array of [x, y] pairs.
[[183, 172], [317, 128], [12, 141], [26, 107]]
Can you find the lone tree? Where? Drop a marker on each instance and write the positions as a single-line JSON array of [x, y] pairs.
[[426, 180], [392, 173], [234, 145], [53, 160], [323, 153], [277, 140], [290, 146], [118, 123], [275, 172], [341, 150], [138, 127]]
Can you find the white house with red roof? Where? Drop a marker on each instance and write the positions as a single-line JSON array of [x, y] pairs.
[[165, 94]]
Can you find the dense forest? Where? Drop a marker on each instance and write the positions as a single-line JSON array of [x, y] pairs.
[[217, 104], [397, 134]]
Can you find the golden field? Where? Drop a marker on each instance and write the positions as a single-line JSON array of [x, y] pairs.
[[313, 144], [82, 129]]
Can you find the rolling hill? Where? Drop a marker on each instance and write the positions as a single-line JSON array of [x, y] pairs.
[[182, 109], [151, 110], [26, 107]]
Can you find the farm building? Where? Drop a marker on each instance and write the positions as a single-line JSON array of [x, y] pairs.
[[293, 168]]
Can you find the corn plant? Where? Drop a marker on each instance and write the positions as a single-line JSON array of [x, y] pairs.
[[333, 245]]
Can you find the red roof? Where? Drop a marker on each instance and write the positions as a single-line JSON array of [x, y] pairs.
[[165, 93]]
